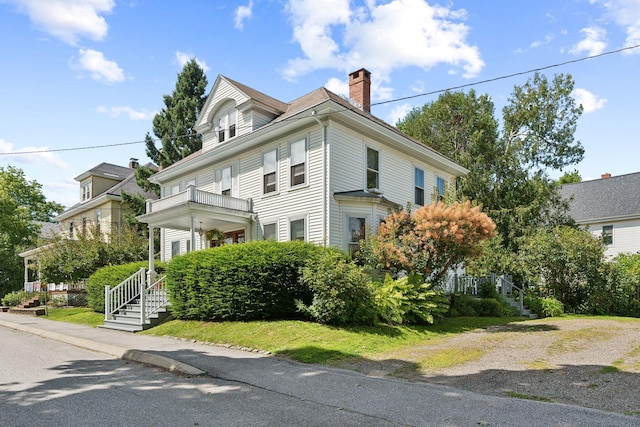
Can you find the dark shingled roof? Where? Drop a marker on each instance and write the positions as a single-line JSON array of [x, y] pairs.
[[604, 198], [106, 169]]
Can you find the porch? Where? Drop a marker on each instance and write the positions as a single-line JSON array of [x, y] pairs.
[[198, 211]]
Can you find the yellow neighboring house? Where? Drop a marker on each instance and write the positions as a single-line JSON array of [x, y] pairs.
[[101, 206]]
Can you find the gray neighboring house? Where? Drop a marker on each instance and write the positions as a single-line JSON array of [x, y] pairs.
[[608, 207]]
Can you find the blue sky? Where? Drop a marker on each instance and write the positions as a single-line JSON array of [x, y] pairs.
[[85, 73]]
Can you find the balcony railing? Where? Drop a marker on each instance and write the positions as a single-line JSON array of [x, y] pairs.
[[192, 194]]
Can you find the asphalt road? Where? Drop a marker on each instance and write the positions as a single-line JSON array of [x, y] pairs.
[[48, 383], [51, 373]]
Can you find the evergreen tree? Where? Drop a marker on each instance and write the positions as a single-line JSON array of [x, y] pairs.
[[173, 125]]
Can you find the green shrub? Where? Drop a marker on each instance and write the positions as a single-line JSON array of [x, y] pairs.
[[487, 289], [111, 276], [409, 300], [342, 291], [15, 298], [544, 306], [248, 281], [467, 306]]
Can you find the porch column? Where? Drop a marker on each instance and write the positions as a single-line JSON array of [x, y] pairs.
[[151, 273], [193, 235], [26, 272]]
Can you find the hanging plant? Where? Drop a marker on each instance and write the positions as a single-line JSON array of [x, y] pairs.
[[215, 235]]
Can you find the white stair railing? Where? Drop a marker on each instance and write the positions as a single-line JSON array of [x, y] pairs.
[[117, 297], [506, 289], [154, 298]]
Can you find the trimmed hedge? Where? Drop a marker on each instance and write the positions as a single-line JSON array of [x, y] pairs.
[[248, 281], [112, 275], [467, 306]]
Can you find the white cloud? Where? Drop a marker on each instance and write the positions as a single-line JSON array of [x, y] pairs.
[[547, 39], [68, 20], [588, 100], [594, 42], [399, 112], [115, 112], [626, 13], [184, 57], [100, 68], [340, 87], [243, 13], [30, 155], [380, 37]]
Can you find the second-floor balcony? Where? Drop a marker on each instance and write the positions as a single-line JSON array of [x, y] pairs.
[[194, 207]]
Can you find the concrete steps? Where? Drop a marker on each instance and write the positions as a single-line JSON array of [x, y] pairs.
[[128, 317], [525, 312]]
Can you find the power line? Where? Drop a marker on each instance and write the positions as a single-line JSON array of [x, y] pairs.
[[507, 76], [611, 52]]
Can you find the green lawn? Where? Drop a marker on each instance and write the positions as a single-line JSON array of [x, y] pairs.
[[80, 315], [303, 341]]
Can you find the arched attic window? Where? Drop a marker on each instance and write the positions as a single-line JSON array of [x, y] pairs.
[[225, 121]]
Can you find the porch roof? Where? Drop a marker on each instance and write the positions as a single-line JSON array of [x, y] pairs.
[[194, 209]]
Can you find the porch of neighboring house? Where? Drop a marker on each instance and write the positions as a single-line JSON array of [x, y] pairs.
[[141, 301], [58, 294]]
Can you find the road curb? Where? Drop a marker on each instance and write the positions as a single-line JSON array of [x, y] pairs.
[[132, 355]]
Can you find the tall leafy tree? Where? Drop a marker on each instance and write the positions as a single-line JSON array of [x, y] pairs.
[[508, 162], [21, 203]]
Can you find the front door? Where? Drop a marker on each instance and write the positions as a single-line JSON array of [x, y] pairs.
[[234, 237]]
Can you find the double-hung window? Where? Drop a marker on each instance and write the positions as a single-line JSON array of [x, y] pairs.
[[607, 234], [297, 161], [297, 229], [419, 186], [226, 125], [356, 233], [440, 187], [269, 168], [225, 183], [86, 191], [270, 231], [373, 168]]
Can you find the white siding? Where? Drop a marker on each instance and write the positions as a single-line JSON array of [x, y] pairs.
[[626, 236], [223, 92]]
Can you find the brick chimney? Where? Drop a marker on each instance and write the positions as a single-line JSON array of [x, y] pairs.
[[133, 163], [605, 175], [360, 88]]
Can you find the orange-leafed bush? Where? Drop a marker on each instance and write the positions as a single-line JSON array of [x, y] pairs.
[[430, 241]]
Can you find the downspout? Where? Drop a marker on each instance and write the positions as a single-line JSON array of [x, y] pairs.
[[324, 178]]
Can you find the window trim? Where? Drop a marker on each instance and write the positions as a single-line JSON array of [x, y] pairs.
[[230, 189], [274, 173], [226, 124], [418, 188], [85, 191], [305, 227], [607, 236], [305, 164], [172, 246], [269, 223], [440, 195], [351, 244], [368, 169]]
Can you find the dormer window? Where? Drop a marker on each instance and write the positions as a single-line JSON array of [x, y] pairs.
[[226, 125], [85, 191]]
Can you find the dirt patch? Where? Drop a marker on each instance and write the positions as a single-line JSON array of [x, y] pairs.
[[593, 363]]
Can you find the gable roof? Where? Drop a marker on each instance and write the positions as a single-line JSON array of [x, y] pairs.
[[606, 198], [294, 108], [258, 96]]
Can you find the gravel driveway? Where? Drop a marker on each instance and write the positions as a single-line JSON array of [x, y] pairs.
[[593, 363]]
